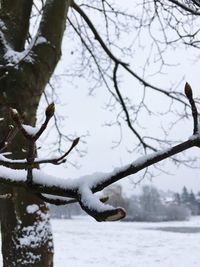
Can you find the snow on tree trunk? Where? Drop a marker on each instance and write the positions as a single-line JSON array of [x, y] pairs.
[[26, 233]]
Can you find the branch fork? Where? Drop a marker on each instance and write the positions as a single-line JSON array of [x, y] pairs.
[[32, 135], [82, 190]]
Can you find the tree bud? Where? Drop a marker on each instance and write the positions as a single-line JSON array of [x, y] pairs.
[[75, 142], [50, 110], [188, 91]]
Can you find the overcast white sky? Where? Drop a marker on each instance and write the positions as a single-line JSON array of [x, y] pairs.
[[85, 113]]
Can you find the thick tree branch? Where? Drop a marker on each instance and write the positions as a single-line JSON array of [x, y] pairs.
[[56, 200], [15, 15], [196, 2], [82, 189], [186, 8], [40, 58], [47, 43], [148, 161]]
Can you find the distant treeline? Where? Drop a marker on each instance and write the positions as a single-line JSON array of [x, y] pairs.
[[154, 205], [149, 205], [65, 211]]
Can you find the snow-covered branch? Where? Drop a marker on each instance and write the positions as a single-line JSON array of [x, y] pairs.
[[83, 188], [63, 190]]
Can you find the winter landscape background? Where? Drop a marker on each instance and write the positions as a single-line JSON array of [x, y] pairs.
[[80, 241], [83, 242]]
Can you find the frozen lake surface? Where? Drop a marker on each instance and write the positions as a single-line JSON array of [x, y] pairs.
[[82, 242]]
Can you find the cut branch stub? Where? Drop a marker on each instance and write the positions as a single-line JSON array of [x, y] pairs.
[[95, 207], [106, 215]]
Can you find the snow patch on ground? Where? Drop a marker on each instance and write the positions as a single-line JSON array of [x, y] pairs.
[[86, 243], [82, 242]]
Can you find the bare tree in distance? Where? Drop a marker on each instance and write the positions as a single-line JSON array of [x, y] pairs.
[[28, 57]]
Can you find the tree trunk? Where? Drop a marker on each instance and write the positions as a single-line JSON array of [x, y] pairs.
[[26, 232]]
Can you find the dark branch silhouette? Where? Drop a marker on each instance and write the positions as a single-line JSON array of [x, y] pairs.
[[67, 191]]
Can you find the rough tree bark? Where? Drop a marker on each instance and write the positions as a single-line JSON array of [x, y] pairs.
[[22, 82]]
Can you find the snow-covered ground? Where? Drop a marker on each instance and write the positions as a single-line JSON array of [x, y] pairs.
[[82, 242]]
